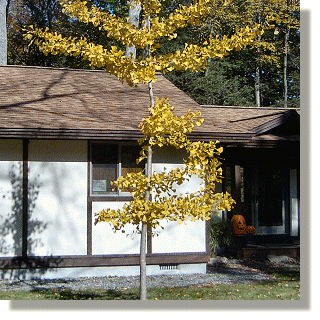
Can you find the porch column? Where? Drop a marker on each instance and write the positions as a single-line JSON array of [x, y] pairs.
[[294, 203]]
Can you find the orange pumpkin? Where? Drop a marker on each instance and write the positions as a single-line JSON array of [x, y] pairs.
[[250, 229], [239, 224]]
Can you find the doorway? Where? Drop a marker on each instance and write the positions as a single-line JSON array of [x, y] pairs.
[[269, 197]]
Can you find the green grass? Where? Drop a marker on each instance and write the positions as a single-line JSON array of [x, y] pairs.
[[285, 287]]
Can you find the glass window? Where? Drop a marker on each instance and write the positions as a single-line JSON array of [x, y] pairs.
[[109, 161]]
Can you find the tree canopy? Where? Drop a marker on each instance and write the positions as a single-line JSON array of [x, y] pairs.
[[273, 61], [148, 35]]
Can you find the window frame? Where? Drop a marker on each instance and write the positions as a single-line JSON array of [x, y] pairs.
[[111, 195]]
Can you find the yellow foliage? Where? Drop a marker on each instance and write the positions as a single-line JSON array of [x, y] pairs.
[[163, 128], [142, 69]]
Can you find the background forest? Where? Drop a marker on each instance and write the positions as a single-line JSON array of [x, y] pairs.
[[266, 74]]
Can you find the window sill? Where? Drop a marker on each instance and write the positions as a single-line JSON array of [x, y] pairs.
[[106, 198]]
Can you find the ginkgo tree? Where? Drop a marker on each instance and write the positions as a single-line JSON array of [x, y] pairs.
[[154, 196]]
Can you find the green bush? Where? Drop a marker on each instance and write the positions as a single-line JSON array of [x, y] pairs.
[[220, 235]]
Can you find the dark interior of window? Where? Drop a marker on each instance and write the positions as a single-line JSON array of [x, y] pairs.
[[108, 162]]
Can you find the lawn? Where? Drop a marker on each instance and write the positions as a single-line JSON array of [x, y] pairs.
[[286, 286]]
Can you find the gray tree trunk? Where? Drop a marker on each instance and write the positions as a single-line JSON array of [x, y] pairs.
[[285, 62], [3, 33], [134, 15], [285, 68], [209, 25], [143, 241], [257, 80], [257, 86]]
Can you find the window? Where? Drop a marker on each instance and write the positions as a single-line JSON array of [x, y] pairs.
[[109, 161]]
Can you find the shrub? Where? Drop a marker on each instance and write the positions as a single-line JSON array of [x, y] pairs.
[[220, 235]]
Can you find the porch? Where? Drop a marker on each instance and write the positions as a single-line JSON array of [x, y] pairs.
[[260, 246]]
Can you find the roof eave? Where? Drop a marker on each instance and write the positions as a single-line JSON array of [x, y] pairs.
[[227, 139], [290, 115]]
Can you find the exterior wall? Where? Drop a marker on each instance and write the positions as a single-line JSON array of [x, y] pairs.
[[57, 218], [186, 237], [189, 237], [106, 241], [10, 197], [120, 271], [174, 238]]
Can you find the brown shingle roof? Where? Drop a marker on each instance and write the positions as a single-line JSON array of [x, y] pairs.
[[65, 103]]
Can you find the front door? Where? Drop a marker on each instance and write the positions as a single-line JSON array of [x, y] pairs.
[[269, 197]]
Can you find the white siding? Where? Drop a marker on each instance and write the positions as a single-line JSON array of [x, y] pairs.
[[58, 169], [60, 273], [189, 237], [10, 197], [175, 238], [106, 241]]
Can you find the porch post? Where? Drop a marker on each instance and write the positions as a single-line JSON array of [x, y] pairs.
[[294, 204]]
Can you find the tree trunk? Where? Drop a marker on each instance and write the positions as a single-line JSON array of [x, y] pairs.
[[285, 68], [257, 86], [257, 80], [210, 27], [134, 16], [3, 34], [143, 243], [285, 64], [143, 262], [143, 240]]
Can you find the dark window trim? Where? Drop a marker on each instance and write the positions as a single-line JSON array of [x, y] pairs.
[[107, 198], [34, 262], [112, 196], [25, 188]]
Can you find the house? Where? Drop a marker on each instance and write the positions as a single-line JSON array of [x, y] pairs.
[[65, 134]]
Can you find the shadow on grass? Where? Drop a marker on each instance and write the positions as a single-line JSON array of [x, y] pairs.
[[285, 273], [280, 272], [63, 294]]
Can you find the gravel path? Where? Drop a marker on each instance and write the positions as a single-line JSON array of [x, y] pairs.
[[230, 274]]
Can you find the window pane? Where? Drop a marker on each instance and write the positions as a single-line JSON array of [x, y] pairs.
[[129, 154], [104, 153], [102, 177], [104, 167], [106, 161]]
